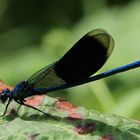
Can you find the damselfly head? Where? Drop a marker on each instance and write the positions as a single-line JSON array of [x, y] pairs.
[[4, 95]]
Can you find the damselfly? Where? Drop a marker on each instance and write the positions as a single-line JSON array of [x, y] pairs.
[[75, 68]]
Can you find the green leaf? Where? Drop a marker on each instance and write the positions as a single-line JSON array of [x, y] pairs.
[[64, 121]]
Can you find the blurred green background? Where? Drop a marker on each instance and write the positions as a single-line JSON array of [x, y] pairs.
[[35, 33]]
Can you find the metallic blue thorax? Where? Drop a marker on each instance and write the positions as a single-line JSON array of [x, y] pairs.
[[21, 91]]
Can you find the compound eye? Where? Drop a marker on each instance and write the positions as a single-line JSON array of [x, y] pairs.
[[3, 98]]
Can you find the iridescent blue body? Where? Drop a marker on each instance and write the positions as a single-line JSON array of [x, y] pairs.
[[24, 90], [86, 57]]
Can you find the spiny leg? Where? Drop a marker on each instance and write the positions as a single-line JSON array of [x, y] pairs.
[[22, 103], [18, 108], [6, 108]]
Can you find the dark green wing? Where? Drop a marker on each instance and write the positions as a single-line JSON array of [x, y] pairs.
[[86, 57], [46, 77]]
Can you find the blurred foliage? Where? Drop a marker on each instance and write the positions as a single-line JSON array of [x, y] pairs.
[[34, 34]]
